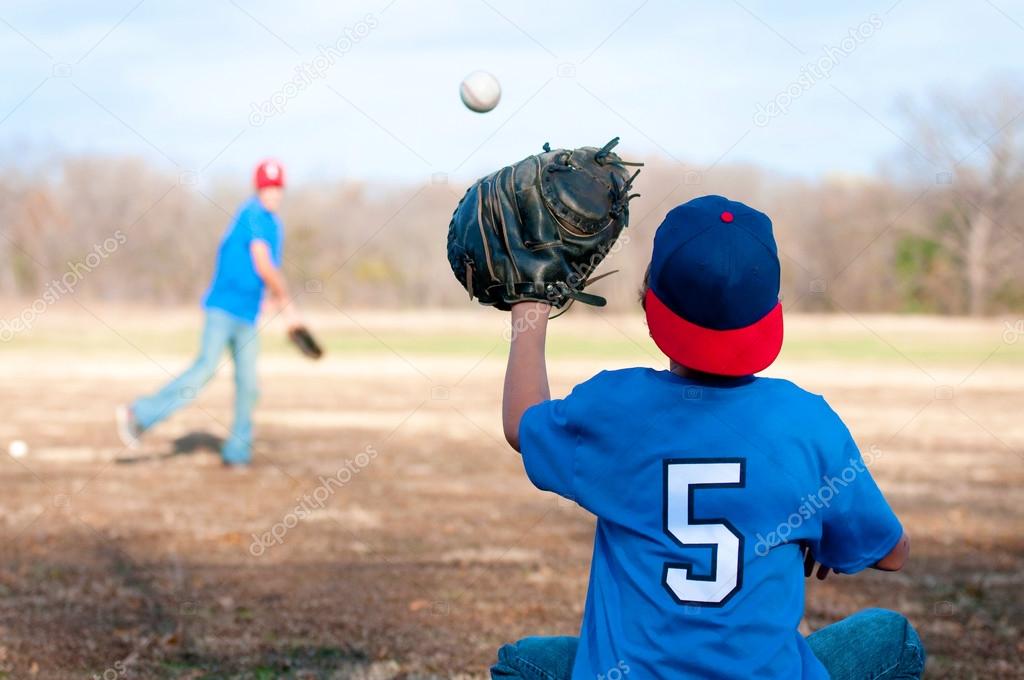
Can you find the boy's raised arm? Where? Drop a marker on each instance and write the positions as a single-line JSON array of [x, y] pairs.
[[526, 377]]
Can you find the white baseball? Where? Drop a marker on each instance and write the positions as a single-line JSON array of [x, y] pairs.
[[17, 449], [480, 91]]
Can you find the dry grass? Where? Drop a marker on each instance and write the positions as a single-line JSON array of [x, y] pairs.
[[438, 550]]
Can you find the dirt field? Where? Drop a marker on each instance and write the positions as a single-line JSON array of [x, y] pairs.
[[405, 540]]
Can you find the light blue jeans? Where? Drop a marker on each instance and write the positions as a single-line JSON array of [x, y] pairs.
[[874, 644], [221, 331]]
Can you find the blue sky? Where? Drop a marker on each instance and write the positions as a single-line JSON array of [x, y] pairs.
[[177, 82]]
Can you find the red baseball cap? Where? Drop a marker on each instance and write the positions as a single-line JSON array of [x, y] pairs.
[[269, 173], [713, 291]]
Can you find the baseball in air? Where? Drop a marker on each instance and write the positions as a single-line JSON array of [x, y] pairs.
[[480, 91], [17, 449]]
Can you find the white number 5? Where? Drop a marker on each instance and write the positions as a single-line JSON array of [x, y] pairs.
[[683, 477]]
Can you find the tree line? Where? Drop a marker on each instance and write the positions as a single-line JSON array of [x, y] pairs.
[[939, 230]]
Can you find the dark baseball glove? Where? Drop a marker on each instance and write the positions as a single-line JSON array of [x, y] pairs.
[[304, 340], [536, 230]]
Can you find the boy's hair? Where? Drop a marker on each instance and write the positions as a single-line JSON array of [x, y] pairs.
[[700, 375], [644, 285]]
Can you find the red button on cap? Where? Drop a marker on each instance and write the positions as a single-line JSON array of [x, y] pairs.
[[727, 216]]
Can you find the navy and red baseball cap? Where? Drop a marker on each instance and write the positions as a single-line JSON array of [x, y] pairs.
[[712, 299]]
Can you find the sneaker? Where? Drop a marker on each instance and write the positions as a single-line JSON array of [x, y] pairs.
[[128, 428], [238, 467]]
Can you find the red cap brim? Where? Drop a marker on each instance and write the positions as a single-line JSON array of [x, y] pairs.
[[735, 352]]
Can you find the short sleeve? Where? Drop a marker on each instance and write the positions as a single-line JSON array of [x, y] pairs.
[[548, 442], [858, 526], [260, 226]]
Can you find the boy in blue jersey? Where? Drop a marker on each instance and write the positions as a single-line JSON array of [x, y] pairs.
[[248, 261], [715, 491]]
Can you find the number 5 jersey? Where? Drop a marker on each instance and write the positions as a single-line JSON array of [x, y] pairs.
[[704, 494]]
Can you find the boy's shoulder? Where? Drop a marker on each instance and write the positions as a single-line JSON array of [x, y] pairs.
[[611, 390], [794, 409], [641, 377], [251, 207], [253, 216], [799, 403], [618, 382], [620, 387], [781, 386]]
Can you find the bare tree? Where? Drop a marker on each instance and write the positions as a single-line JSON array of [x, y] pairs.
[[975, 146], [850, 242]]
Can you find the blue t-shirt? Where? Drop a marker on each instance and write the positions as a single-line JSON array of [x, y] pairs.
[[703, 495], [236, 287]]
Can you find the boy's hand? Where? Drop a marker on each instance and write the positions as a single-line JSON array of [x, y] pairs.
[[526, 378], [809, 563], [289, 314]]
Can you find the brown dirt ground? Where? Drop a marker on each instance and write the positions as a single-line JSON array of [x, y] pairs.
[[121, 564]]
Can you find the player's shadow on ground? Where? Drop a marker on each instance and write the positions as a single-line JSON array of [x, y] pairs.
[[187, 444]]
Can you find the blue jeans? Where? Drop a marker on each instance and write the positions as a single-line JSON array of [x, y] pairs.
[[874, 644], [221, 331]]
